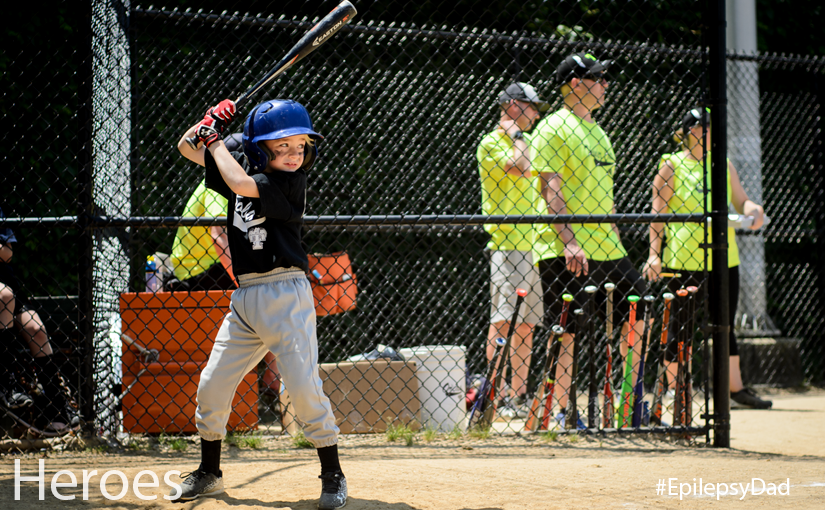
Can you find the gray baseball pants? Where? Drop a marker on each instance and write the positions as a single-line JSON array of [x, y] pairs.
[[274, 312]]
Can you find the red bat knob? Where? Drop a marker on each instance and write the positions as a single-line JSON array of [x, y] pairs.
[[521, 292]]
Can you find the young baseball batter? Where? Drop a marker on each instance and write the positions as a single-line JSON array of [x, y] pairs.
[[273, 308]]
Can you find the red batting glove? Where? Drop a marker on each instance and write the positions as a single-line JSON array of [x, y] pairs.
[[224, 111], [209, 130]]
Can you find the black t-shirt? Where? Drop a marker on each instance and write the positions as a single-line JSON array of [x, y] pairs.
[[264, 233]]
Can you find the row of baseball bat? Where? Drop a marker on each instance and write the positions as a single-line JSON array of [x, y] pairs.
[[629, 410]]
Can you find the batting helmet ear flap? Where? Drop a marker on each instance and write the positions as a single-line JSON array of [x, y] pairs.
[[310, 155]]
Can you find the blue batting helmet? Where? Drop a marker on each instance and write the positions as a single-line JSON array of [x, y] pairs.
[[276, 119]]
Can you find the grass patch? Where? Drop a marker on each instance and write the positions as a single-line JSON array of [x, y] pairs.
[[175, 443], [456, 433], [430, 434], [396, 432], [480, 432], [301, 441], [178, 444], [136, 445], [253, 441], [573, 438], [550, 436]]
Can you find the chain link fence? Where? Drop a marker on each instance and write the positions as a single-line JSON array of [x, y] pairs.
[[775, 137], [404, 228]]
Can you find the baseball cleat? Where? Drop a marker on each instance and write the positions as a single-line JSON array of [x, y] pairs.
[[333, 491], [199, 483]]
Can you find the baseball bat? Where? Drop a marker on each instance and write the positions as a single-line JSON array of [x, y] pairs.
[[670, 275], [572, 412], [660, 387], [546, 380], [548, 386], [593, 393], [679, 403], [315, 37], [609, 410], [626, 402], [640, 385], [692, 292], [481, 402], [147, 355], [489, 412]]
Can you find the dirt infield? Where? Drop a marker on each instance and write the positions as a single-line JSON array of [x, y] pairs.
[[782, 444]]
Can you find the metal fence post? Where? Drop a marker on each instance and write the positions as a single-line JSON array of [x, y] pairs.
[[85, 211], [818, 373], [719, 215]]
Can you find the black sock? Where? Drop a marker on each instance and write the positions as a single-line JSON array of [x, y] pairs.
[[211, 456], [329, 459]]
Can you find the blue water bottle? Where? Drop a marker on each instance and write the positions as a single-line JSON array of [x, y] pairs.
[[152, 283]]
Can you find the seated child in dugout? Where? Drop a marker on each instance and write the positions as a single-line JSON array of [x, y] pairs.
[[273, 308]]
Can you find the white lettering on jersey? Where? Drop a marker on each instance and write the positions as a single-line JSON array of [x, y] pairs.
[[244, 215], [257, 236]]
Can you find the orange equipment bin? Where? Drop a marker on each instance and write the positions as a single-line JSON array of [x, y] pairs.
[[182, 327]]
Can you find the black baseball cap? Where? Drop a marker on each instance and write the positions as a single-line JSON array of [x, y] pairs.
[[581, 65], [524, 92], [696, 117]]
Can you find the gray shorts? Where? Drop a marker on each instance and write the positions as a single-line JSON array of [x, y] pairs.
[[511, 270]]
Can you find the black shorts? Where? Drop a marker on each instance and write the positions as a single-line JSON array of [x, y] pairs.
[[697, 278], [10, 280], [556, 280]]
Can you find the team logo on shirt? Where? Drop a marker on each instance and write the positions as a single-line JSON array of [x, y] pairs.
[[245, 215], [257, 236], [599, 156]]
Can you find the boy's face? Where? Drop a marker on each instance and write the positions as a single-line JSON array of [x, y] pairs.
[[287, 153]]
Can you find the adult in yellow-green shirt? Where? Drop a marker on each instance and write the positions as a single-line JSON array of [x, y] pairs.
[[679, 188], [200, 255], [508, 188], [575, 162]]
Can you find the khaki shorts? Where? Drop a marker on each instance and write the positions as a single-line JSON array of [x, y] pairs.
[[511, 270]]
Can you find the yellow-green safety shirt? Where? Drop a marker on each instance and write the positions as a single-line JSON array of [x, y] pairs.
[[682, 250], [193, 251], [504, 193], [581, 153]]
